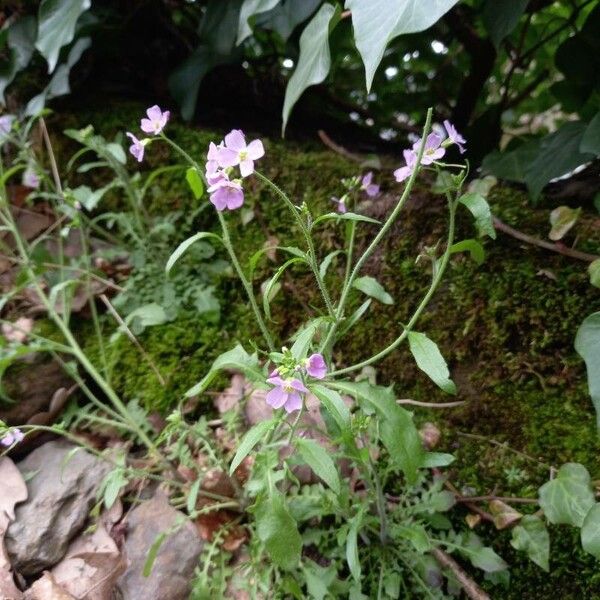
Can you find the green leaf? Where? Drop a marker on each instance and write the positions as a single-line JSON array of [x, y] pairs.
[[183, 247], [587, 344], [590, 531], [193, 496], [317, 458], [569, 496], [590, 142], [334, 405], [352, 546], [371, 287], [278, 531], [437, 459], [250, 439], [314, 61], [562, 218], [500, 17], [268, 292], [594, 273], [303, 340], [237, 359], [531, 536], [147, 315], [417, 536], [326, 263], [559, 154], [347, 216], [153, 552], [377, 22], [473, 247], [481, 212], [483, 557], [113, 484], [430, 360], [56, 26], [397, 430], [285, 17], [248, 10], [354, 318], [511, 165], [195, 182]]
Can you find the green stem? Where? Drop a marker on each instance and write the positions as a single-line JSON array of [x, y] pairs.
[[376, 240], [349, 255], [249, 291], [437, 277], [309, 242], [182, 152]]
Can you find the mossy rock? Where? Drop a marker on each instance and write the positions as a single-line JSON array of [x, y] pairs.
[[506, 328]]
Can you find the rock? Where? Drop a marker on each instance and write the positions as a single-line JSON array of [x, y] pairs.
[[175, 561], [61, 493]]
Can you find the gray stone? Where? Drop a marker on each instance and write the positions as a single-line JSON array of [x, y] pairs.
[[177, 557], [62, 491]]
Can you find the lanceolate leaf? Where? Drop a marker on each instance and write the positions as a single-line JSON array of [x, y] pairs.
[[317, 458], [57, 20], [430, 360], [371, 287], [569, 496], [531, 536], [252, 437], [587, 344], [185, 245], [377, 22], [334, 404], [315, 59]]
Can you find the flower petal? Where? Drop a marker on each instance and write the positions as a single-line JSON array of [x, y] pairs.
[[255, 149], [228, 157], [294, 402], [154, 113], [246, 167], [235, 140], [297, 385], [276, 397]]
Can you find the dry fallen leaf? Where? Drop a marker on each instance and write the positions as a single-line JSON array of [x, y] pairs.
[[504, 515], [46, 588], [12, 491]]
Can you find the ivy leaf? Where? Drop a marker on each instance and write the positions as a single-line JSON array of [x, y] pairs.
[[430, 360], [250, 439], [317, 458], [314, 61], [594, 273], [249, 9], [371, 287], [531, 537], [590, 531], [587, 344], [562, 218], [590, 142], [511, 165], [569, 496], [377, 22], [285, 17], [481, 212], [57, 20], [481, 556], [500, 17], [278, 531]]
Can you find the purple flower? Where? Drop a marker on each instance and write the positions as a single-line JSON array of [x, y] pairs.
[[371, 189], [12, 436], [156, 121], [433, 150], [315, 366], [286, 393], [405, 172], [6, 122], [225, 193], [30, 178], [236, 152], [136, 148], [341, 204], [454, 136]]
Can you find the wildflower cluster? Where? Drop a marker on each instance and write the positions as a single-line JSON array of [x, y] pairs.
[[288, 380], [154, 124], [435, 148], [358, 183], [225, 189]]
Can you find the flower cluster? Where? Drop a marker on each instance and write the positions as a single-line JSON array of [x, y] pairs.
[[226, 191], [287, 391], [6, 123], [435, 148], [17, 331], [362, 184], [155, 122], [11, 437]]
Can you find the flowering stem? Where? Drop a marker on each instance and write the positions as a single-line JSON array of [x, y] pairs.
[[349, 254], [325, 346], [249, 291], [182, 152], [311, 248], [437, 277]]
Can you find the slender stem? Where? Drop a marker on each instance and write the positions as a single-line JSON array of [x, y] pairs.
[[182, 152], [249, 291], [350, 252], [437, 277], [377, 239], [295, 424], [309, 242]]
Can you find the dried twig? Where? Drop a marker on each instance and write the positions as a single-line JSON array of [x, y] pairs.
[[337, 148], [469, 586]]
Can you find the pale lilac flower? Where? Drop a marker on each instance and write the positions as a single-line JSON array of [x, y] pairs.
[[341, 204], [371, 189], [12, 436], [6, 122], [405, 172], [17, 331], [236, 152], [156, 121], [226, 194], [454, 136], [30, 178], [136, 148], [433, 150], [315, 366], [286, 393]]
